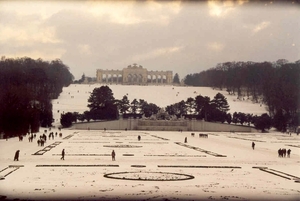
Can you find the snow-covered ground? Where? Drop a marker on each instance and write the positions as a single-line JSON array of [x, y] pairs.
[[74, 98], [150, 169]]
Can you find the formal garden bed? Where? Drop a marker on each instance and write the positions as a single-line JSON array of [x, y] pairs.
[[279, 174], [90, 142], [159, 137], [77, 165], [198, 166], [122, 146], [149, 176], [82, 155], [128, 154], [149, 142], [201, 150], [297, 146], [138, 166], [240, 138], [47, 148], [174, 155], [283, 142], [68, 137], [142, 139], [8, 170]]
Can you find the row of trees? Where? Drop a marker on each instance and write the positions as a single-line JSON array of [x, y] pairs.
[[201, 107], [103, 105], [275, 84], [27, 87]]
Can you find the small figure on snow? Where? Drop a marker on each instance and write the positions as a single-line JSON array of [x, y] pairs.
[[17, 155], [279, 152], [113, 155], [288, 153], [185, 140], [139, 138], [253, 145], [283, 152], [62, 155]]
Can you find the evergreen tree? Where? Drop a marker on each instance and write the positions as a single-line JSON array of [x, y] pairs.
[[124, 105], [202, 105], [263, 122], [67, 119], [190, 105], [148, 109], [242, 118], [228, 118], [176, 79], [102, 104], [134, 106], [235, 118], [221, 102]]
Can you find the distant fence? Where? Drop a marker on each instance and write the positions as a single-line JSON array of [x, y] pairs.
[[161, 125]]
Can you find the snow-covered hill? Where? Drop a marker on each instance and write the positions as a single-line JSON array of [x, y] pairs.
[[74, 98]]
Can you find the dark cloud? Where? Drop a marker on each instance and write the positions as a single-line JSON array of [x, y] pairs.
[[186, 38]]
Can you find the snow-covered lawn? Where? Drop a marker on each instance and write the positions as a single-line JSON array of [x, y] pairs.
[[158, 167], [74, 98], [142, 166]]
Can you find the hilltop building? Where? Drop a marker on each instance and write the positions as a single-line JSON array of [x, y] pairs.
[[134, 75]]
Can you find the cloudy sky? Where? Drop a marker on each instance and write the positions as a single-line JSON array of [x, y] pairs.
[[185, 37]]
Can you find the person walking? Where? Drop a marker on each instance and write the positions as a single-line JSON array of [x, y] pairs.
[[288, 153], [62, 155], [113, 155], [17, 155], [253, 145], [279, 152]]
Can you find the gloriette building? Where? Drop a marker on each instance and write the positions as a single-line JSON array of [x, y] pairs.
[[135, 75]]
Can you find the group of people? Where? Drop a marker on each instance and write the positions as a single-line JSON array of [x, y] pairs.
[[43, 138], [31, 137], [41, 141], [283, 152]]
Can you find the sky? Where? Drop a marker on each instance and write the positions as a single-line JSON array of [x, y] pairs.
[[182, 36]]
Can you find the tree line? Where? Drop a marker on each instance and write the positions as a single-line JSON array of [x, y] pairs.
[[103, 106], [275, 84], [27, 87]]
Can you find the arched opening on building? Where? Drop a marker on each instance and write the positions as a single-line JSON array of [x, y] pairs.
[[120, 78], [140, 78], [164, 77], [154, 79], [135, 78], [149, 78], [114, 78], [104, 78], [109, 78], [159, 79], [129, 78]]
